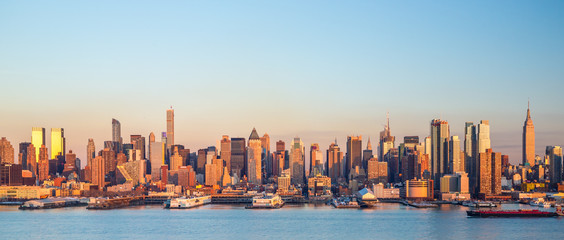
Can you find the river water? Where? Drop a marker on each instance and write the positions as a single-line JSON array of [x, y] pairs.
[[386, 221]]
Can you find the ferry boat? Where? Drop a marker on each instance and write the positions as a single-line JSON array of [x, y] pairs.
[[515, 213], [185, 203], [269, 201]]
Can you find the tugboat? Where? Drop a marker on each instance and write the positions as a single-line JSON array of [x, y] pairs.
[[515, 213]]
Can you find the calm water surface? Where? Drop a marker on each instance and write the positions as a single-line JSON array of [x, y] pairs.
[[386, 221]]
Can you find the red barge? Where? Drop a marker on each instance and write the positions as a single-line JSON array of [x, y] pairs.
[[515, 213]]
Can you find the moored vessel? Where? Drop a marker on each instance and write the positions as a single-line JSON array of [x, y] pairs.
[[515, 213]]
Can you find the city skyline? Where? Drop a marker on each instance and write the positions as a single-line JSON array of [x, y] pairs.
[[99, 144], [317, 71]]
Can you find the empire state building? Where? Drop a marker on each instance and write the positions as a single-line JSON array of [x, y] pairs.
[[528, 140]]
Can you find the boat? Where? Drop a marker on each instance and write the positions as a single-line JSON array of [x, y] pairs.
[[546, 205], [422, 205], [485, 205], [185, 203], [515, 213], [269, 201]]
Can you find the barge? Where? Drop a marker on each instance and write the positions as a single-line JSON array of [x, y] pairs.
[[515, 213]]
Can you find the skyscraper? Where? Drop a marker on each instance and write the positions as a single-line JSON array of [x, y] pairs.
[[528, 140], [469, 149], [98, 172], [175, 160], [225, 152], [31, 160], [169, 128], [367, 155], [334, 158], [315, 160], [90, 152], [254, 151], [138, 144], [43, 164], [6, 151], [22, 156], [157, 158], [57, 142], [116, 131], [37, 139], [489, 172], [151, 140], [297, 161], [386, 140], [238, 156], [483, 135], [554, 154], [440, 133], [354, 153], [456, 164], [266, 161]]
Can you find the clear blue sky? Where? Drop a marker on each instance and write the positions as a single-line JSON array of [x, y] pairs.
[[314, 69]]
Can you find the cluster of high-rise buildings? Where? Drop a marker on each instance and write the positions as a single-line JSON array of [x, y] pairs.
[[446, 163]]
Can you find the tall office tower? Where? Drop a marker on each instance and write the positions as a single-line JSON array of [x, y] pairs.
[[156, 158], [57, 142], [201, 161], [297, 161], [354, 153], [554, 154], [334, 157], [254, 151], [43, 164], [169, 127], [70, 158], [10, 175], [469, 150], [238, 157], [6, 151], [90, 152], [483, 134], [22, 156], [386, 140], [116, 131], [456, 164], [31, 160], [109, 160], [279, 159], [37, 139], [315, 160], [266, 161], [529, 140], [175, 160], [496, 173], [440, 133], [98, 172], [225, 152], [377, 171], [138, 144], [151, 140], [366, 155], [484, 172]]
